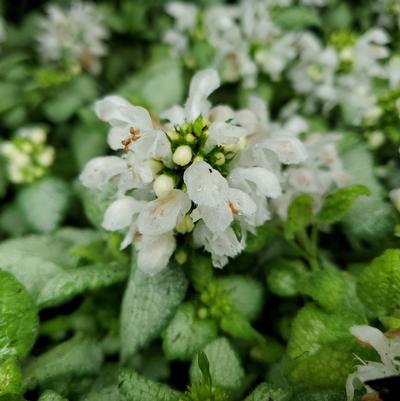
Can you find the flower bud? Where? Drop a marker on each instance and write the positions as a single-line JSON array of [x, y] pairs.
[[219, 159], [182, 155], [181, 256], [163, 185], [185, 225]]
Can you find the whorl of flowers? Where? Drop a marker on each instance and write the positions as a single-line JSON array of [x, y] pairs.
[[73, 36], [388, 348], [27, 155], [204, 177], [246, 42]]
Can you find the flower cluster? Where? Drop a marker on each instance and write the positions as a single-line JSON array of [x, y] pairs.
[[207, 171], [74, 36], [388, 348], [27, 155], [247, 42]]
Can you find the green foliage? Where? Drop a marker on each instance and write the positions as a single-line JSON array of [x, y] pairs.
[[44, 204], [296, 17], [337, 204], [319, 340], [75, 358], [299, 216], [10, 377], [50, 273], [136, 388], [379, 284], [18, 318], [187, 334], [284, 276], [267, 391], [148, 305], [245, 294], [50, 395], [224, 364]]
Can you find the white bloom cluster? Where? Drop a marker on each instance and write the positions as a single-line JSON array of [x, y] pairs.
[[205, 177], [27, 155], [388, 348], [247, 42], [243, 36], [75, 36]]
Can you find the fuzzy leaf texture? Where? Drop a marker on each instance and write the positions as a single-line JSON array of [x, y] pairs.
[[148, 305], [187, 334], [337, 204], [225, 366], [379, 285], [299, 216], [73, 358], [134, 387], [50, 273], [18, 317]]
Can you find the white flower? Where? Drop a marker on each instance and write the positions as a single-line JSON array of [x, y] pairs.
[[195, 177], [77, 33], [221, 245], [388, 349], [155, 252]]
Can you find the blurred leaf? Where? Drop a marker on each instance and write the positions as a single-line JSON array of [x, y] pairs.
[[299, 215]]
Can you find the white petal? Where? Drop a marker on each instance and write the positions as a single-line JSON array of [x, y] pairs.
[[175, 115], [289, 150], [257, 179], [222, 133], [217, 218], [161, 215], [119, 112], [100, 170], [242, 202], [376, 339], [119, 214], [155, 252], [202, 85], [205, 185]]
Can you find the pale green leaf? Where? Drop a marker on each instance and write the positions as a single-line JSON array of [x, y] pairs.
[[148, 305], [134, 387], [225, 366]]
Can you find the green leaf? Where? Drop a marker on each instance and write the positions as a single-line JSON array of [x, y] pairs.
[[158, 86], [300, 215], [319, 340], [50, 273], [186, 333], [332, 290], [283, 277], [204, 367], [10, 377], [238, 326], [74, 358], [371, 218], [148, 305], [50, 395], [95, 202], [320, 394], [296, 17], [313, 328], [18, 317], [137, 388], [338, 204], [245, 293], [379, 284], [200, 271], [225, 366], [267, 391], [44, 204]]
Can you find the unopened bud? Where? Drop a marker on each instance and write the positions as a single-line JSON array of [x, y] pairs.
[[163, 185], [185, 225], [182, 155]]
